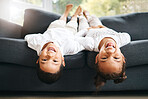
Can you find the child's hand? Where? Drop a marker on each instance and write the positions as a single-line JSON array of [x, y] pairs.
[[101, 26], [94, 27], [90, 28]]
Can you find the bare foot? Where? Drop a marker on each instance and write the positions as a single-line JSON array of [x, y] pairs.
[[67, 10], [86, 14], [78, 11]]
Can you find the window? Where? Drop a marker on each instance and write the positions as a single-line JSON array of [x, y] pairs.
[[14, 9], [17, 8], [105, 7]]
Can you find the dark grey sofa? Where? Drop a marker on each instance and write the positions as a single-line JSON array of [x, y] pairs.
[[17, 61]]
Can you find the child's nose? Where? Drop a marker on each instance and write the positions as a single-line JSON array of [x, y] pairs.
[[49, 55], [111, 51]]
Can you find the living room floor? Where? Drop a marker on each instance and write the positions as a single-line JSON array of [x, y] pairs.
[[75, 95], [82, 97]]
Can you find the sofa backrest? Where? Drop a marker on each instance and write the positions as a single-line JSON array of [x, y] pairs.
[[136, 24], [37, 21]]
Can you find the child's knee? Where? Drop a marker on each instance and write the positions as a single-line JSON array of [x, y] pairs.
[[72, 26], [57, 23]]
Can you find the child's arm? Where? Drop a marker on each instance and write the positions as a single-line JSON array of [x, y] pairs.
[[79, 44], [82, 33], [34, 41], [124, 38], [86, 42]]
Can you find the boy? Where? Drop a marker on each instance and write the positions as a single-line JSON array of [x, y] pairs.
[[110, 61], [51, 46]]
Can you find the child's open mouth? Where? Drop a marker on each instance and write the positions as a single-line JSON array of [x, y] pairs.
[[51, 49], [110, 45]]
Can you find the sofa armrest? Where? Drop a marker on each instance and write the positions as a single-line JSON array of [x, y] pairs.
[[8, 29]]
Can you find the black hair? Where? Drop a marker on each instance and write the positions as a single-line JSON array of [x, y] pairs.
[[101, 78], [47, 77]]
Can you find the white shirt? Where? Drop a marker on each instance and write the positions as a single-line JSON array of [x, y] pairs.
[[62, 38], [94, 37]]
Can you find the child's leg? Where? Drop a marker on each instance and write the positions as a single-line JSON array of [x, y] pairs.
[[62, 21], [83, 23], [72, 24], [93, 20], [67, 10]]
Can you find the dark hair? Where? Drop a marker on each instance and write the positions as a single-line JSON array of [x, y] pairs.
[[47, 77], [101, 78]]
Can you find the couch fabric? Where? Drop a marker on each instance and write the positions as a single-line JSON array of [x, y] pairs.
[[17, 61]]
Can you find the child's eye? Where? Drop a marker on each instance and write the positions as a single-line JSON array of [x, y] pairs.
[[44, 59], [55, 60], [116, 58], [104, 58]]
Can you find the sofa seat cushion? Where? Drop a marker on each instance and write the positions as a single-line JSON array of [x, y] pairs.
[[135, 24], [134, 52], [16, 51]]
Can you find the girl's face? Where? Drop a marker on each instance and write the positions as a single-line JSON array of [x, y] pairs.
[[110, 59], [51, 58]]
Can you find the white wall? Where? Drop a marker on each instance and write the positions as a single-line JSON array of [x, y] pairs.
[[4, 9]]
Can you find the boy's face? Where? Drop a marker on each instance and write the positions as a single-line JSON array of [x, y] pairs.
[[51, 58], [110, 59]]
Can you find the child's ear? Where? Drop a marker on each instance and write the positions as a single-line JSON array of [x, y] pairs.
[[37, 61], [96, 60], [63, 61], [123, 59]]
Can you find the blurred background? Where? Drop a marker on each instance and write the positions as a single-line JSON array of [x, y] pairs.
[[13, 10]]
